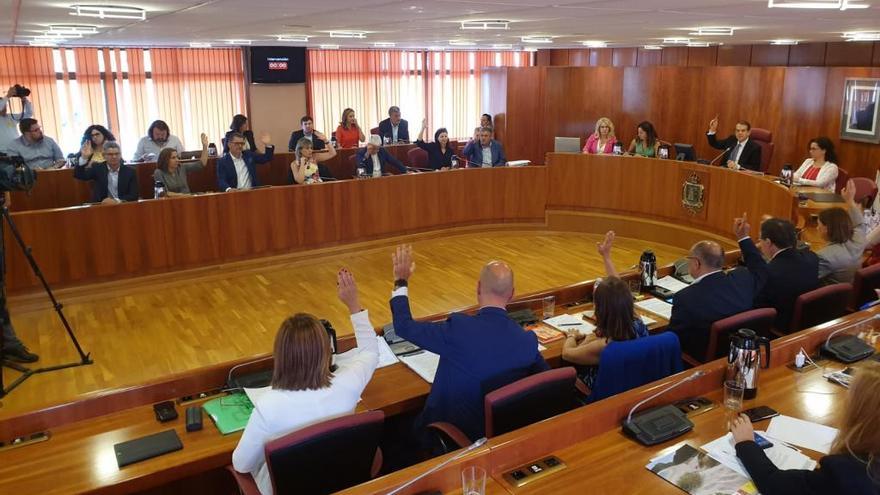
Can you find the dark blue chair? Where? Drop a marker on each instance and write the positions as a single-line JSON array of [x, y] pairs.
[[632, 363]]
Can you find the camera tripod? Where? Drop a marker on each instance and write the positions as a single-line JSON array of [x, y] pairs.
[[4, 310]]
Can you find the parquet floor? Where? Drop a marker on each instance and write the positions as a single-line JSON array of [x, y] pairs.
[[140, 330]]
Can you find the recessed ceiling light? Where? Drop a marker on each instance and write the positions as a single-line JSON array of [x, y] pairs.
[[239, 42], [594, 44], [384, 44], [109, 12], [73, 28], [862, 36], [329, 47], [461, 43], [537, 39], [699, 44], [348, 34], [816, 4], [199, 44], [713, 31], [503, 46], [676, 41], [784, 42], [485, 25], [652, 47], [293, 38]]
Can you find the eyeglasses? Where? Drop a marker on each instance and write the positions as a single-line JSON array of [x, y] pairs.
[[237, 143]]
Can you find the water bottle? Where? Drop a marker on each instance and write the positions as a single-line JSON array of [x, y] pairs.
[[648, 269], [454, 161], [663, 153], [361, 171], [786, 174], [618, 149], [212, 149], [158, 189]]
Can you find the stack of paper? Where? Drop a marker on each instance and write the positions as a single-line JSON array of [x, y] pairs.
[[671, 284], [571, 322], [723, 450], [386, 357], [802, 433], [656, 306], [423, 363]]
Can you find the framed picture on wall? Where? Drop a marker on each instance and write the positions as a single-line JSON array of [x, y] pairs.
[[859, 117]]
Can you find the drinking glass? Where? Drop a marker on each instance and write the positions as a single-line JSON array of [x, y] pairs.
[[635, 287], [549, 305], [733, 399], [473, 481]]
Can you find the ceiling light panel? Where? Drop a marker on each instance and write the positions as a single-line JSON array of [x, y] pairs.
[[676, 41], [594, 44], [348, 34], [784, 42], [652, 47], [73, 29], [239, 42], [329, 47], [816, 4], [485, 25], [713, 31], [109, 12], [293, 38], [384, 44], [537, 39], [199, 44], [862, 36], [462, 43]]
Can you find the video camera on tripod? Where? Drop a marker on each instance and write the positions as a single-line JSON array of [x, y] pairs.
[[15, 175]]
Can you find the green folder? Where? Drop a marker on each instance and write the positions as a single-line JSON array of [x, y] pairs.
[[230, 413]]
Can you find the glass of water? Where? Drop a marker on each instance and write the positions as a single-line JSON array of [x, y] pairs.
[[549, 306], [473, 481], [733, 399]]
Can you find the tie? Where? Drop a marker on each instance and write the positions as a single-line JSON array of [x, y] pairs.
[[734, 156]]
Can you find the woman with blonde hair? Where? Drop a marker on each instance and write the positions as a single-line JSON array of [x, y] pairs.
[[304, 391], [348, 133], [602, 141], [851, 467]]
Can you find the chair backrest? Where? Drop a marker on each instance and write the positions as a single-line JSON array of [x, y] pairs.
[[308, 460], [374, 131], [866, 280], [759, 320], [529, 400], [842, 177], [866, 190], [821, 305], [764, 138], [417, 157], [633, 363]]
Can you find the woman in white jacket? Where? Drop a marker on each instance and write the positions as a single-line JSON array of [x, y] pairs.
[[820, 170], [304, 391]]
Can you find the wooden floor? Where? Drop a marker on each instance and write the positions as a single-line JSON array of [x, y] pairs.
[[143, 329]]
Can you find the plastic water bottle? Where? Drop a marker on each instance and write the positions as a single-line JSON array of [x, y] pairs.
[[454, 161], [333, 142], [212, 149], [361, 171], [159, 190]]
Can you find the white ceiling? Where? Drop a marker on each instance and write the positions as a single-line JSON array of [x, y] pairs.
[[422, 24]]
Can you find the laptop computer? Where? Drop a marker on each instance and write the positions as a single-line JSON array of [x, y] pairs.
[[567, 144]]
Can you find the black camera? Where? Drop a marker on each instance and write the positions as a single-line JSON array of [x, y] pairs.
[[21, 91], [15, 175]]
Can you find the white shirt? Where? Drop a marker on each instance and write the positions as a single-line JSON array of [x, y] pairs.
[[278, 412], [241, 171], [701, 277], [146, 146], [377, 166], [394, 132], [487, 156], [9, 122], [113, 182]]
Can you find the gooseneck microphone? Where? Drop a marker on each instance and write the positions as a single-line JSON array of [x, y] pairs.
[[479, 443], [661, 423], [720, 155]]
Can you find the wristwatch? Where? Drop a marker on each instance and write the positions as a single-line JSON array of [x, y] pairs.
[[400, 283]]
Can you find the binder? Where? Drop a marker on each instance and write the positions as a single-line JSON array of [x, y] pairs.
[[229, 413]]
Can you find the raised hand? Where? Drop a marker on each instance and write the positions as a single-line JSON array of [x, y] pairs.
[[204, 138], [86, 150], [265, 139], [713, 124], [741, 227], [605, 246], [346, 289], [849, 192], [403, 263]]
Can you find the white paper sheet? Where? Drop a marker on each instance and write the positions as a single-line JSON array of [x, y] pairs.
[[671, 284], [386, 357], [571, 322], [423, 363], [254, 393], [656, 306], [647, 320], [724, 451], [802, 433]]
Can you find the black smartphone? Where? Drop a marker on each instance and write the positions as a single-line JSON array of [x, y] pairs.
[[760, 413], [762, 442], [165, 411]]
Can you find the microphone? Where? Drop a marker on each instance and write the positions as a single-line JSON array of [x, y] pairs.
[[659, 424], [479, 443], [712, 162], [847, 348], [417, 169], [327, 179]]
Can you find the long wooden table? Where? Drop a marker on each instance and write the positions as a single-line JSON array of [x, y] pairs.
[[636, 196]]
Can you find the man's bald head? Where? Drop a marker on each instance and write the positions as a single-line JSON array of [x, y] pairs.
[[496, 281], [709, 253]]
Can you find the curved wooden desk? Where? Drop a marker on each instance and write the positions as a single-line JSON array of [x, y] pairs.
[[638, 197]]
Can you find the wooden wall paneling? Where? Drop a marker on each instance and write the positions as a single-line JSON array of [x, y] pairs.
[[543, 57], [559, 57], [807, 54], [764, 55], [876, 57], [673, 109], [624, 57], [192, 225], [674, 55], [702, 56], [494, 98], [734, 54], [524, 92], [590, 93], [803, 103], [579, 57], [849, 53], [601, 57], [647, 58], [53, 189], [857, 158]]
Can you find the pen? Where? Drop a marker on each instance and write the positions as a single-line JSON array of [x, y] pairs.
[[570, 324]]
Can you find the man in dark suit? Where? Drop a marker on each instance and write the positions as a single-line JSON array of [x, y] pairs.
[[238, 168], [712, 295], [486, 152], [375, 159], [740, 151], [394, 128], [319, 140], [790, 272], [113, 181], [478, 353]]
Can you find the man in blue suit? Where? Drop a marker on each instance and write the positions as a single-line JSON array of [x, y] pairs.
[[486, 152], [478, 353], [394, 128], [238, 168], [376, 160], [114, 182]]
